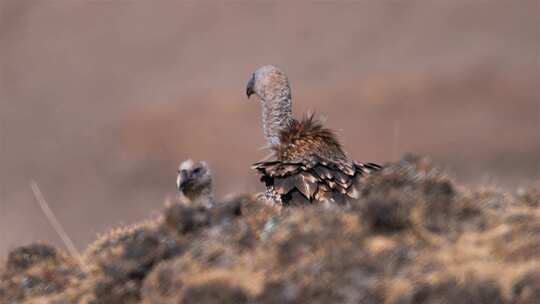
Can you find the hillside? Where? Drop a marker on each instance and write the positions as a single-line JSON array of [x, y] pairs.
[[414, 236]]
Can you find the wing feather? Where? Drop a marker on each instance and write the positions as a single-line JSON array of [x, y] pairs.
[[316, 181], [284, 185], [307, 184]]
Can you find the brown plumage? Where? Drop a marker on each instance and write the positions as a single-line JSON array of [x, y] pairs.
[[307, 138], [310, 165]]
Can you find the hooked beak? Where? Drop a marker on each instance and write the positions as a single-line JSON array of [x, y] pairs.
[[249, 86], [181, 180]]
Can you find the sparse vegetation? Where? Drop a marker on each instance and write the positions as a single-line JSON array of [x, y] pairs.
[[412, 237]]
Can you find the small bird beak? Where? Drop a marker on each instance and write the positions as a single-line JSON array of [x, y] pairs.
[[249, 86], [181, 180]]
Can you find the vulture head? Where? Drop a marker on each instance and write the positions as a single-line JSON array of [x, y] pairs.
[[269, 83], [194, 179]]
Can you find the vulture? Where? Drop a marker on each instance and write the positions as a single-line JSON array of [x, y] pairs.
[[308, 165], [194, 183]]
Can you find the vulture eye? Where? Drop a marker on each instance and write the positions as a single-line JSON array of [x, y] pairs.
[[197, 170]]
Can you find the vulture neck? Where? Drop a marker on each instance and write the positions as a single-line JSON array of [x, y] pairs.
[[206, 198], [202, 198], [277, 115]]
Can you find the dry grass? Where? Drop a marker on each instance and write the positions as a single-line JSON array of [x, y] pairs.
[[412, 237]]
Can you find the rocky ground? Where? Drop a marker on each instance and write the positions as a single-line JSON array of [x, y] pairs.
[[414, 236]]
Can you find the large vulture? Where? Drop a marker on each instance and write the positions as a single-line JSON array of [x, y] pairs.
[[309, 165]]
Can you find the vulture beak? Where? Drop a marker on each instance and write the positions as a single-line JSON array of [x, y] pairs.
[[181, 180], [249, 86]]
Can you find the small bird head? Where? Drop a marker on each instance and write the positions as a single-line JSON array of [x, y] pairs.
[[194, 178], [269, 83]]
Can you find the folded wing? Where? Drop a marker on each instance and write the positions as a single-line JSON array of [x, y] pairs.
[[314, 181]]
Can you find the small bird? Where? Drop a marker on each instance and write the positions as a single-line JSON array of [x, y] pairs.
[[309, 164], [194, 182]]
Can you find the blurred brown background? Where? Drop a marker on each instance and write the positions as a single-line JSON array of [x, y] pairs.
[[100, 100]]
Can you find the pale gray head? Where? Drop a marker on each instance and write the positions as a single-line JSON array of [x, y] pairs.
[[271, 85], [194, 181]]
